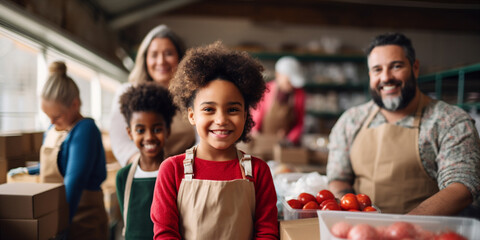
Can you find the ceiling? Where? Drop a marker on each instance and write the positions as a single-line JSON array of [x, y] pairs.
[[436, 14], [444, 15]]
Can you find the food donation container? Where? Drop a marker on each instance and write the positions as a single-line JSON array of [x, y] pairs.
[[467, 227]]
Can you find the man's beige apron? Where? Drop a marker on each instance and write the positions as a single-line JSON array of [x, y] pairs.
[[216, 209], [182, 136], [280, 116], [90, 220], [387, 165]]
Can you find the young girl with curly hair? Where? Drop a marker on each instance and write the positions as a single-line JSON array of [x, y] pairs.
[[215, 191]]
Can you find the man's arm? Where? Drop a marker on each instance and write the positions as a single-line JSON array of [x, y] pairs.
[[448, 201]]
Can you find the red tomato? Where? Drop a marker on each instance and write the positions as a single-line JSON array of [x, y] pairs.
[[362, 231], [450, 236], [340, 229], [327, 201], [401, 230], [369, 209], [324, 195], [295, 204], [353, 210], [363, 200], [331, 206], [349, 201], [311, 205], [306, 197]]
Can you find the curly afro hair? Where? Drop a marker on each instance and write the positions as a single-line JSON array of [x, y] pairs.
[[148, 97], [205, 64]]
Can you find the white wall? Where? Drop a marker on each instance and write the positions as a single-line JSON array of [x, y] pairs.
[[435, 50]]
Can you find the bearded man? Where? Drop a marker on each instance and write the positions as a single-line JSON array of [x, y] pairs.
[[409, 153]]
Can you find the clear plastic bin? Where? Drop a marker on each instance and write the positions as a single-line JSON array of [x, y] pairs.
[[468, 227], [291, 214]]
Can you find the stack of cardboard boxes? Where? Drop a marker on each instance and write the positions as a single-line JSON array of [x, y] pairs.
[[267, 147], [17, 150], [33, 211]]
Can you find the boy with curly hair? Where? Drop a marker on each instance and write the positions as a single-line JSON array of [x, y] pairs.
[[215, 191], [148, 110]]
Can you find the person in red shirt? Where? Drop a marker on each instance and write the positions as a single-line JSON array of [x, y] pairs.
[[284, 99], [215, 191]]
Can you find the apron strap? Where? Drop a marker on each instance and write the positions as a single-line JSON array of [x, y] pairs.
[[188, 163], [373, 112], [424, 100], [245, 163], [126, 196]]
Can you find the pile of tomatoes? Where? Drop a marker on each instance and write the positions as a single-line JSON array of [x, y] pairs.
[[395, 231], [325, 200]]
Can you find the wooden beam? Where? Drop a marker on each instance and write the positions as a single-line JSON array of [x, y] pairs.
[[340, 14]]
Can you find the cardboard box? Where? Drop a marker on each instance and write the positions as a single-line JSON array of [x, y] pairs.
[[14, 145], [107, 146], [318, 157], [44, 227], [37, 140], [111, 204], [260, 146], [3, 171], [110, 180], [30, 200], [296, 155], [300, 229]]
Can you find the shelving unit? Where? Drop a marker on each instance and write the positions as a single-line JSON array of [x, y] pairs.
[[324, 119], [273, 56], [459, 86]]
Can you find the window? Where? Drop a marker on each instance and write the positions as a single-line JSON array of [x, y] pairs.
[[23, 71], [18, 76]]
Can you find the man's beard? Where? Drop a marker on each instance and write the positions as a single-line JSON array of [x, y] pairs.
[[395, 103]]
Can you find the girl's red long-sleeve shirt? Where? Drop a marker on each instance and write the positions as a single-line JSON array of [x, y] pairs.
[[164, 211]]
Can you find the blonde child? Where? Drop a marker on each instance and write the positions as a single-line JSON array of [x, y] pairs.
[[148, 111], [214, 191]]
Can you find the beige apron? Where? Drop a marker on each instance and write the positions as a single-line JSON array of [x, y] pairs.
[[278, 111], [182, 136], [216, 209], [128, 188], [387, 165], [90, 220]]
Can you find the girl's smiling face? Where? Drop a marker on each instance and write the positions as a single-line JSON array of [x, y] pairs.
[[219, 115]]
